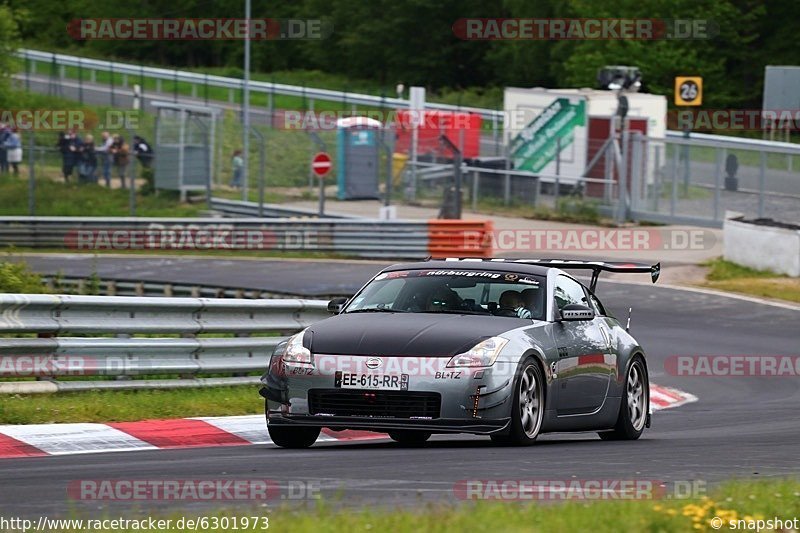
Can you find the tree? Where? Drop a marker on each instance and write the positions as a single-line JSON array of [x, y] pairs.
[[9, 42]]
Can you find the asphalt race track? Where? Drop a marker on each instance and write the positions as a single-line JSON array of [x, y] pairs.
[[740, 427]]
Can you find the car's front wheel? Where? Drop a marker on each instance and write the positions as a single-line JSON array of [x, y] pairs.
[[293, 437], [409, 437], [634, 405], [527, 409]]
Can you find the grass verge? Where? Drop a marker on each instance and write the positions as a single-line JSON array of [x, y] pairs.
[[55, 198], [123, 406], [727, 276], [745, 501]]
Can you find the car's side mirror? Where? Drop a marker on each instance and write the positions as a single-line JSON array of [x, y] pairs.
[[336, 305], [576, 312]]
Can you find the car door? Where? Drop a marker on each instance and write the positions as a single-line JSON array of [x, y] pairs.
[[585, 364]]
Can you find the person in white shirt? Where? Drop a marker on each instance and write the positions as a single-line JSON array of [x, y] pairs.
[[105, 155]]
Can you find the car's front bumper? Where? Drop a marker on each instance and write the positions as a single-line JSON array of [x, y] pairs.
[[472, 400], [440, 425]]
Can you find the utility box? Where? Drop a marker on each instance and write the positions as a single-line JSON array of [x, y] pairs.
[[184, 147], [358, 156]]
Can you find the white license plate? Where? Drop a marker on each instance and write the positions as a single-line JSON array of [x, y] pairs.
[[355, 380]]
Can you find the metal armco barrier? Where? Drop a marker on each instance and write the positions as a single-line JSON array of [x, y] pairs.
[[123, 287], [404, 239], [184, 76], [54, 355], [240, 208]]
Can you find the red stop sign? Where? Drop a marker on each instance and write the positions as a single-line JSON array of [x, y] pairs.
[[321, 164]]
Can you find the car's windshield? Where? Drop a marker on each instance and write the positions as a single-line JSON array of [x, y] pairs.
[[502, 294]]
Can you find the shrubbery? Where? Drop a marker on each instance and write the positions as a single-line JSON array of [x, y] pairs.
[[18, 278]]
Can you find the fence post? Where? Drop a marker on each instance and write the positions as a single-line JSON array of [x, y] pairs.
[[635, 174], [717, 173], [622, 212], [270, 102], [655, 190], [132, 181], [686, 151], [80, 81], [31, 177], [674, 196], [761, 183], [111, 82], [141, 86], [475, 178], [495, 141], [507, 181]]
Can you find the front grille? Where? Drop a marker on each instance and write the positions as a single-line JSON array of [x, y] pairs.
[[374, 403]]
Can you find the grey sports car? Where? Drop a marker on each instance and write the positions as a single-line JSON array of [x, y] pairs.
[[505, 348]]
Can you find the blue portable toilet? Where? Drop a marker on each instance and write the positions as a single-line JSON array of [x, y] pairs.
[[358, 155]]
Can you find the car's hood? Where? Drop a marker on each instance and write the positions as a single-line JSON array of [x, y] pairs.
[[405, 334]]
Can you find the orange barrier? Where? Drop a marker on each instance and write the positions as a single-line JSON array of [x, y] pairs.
[[460, 238]]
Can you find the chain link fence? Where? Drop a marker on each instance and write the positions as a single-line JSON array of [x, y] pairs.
[[671, 180]]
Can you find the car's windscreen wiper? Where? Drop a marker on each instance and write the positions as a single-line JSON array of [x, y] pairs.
[[375, 310], [458, 312]]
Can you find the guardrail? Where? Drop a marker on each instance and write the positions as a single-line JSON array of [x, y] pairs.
[[241, 208], [126, 287], [404, 239], [53, 355], [177, 76]]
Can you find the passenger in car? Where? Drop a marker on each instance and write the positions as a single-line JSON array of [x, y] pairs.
[[511, 305], [533, 299]]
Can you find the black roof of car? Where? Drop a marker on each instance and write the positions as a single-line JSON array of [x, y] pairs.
[[535, 266], [487, 266]]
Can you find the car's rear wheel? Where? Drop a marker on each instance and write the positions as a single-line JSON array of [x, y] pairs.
[[634, 406], [409, 437], [527, 409], [293, 437]]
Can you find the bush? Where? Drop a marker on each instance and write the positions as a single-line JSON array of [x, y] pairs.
[[18, 278]]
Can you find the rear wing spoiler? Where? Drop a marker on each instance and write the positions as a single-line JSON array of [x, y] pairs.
[[595, 266]]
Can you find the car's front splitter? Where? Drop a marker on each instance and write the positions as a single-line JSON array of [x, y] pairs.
[[439, 425]]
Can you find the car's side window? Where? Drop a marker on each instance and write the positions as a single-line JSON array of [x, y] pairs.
[[568, 291]]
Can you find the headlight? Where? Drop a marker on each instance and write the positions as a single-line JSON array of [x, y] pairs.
[[295, 352], [482, 354]]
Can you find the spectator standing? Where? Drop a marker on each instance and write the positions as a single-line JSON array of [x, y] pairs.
[[143, 151], [69, 145], [121, 153], [238, 168], [5, 132], [106, 157], [87, 164], [13, 147]]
